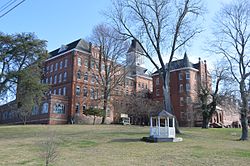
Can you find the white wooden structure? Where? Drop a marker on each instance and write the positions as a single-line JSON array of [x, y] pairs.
[[162, 125]]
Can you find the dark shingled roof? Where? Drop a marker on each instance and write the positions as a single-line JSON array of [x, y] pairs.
[[182, 63], [135, 47], [79, 44]]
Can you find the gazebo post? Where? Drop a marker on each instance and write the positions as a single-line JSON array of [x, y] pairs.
[[151, 125], [159, 125], [168, 125]]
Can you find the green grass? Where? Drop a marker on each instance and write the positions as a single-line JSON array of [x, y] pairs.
[[121, 145]]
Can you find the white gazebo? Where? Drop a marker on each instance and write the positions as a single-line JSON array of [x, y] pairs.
[[162, 126]]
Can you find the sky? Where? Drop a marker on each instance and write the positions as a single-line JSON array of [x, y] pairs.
[[63, 21]]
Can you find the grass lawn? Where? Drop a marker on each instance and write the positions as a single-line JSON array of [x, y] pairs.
[[121, 145]]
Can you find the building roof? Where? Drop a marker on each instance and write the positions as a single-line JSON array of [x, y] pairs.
[[135, 47], [79, 44], [181, 63], [163, 113]]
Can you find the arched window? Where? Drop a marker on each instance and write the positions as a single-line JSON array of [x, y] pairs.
[[45, 108], [86, 76], [78, 74]]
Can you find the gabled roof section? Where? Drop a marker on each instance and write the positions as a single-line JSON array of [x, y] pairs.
[[79, 44], [135, 47], [182, 63]]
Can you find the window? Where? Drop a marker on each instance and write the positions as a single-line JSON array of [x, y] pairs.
[[189, 100], [181, 101], [142, 85], [65, 76], [78, 74], [139, 84], [78, 90], [51, 68], [181, 88], [187, 75], [79, 61], [55, 79], [77, 107], [56, 67], [97, 94], [103, 67], [92, 64], [97, 66], [84, 107], [47, 69], [50, 80], [180, 76], [108, 112], [187, 87], [45, 108], [146, 86], [35, 110], [59, 91], [54, 92], [65, 63], [157, 92], [92, 93], [86, 63], [85, 92], [157, 82], [61, 64], [47, 80], [93, 78], [59, 108], [86, 76], [60, 78], [64, 91]]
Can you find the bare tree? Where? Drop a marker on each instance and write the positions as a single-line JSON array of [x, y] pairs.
[[112, 69], [159, 26], [208, 98], [49, 149], [232, 41]]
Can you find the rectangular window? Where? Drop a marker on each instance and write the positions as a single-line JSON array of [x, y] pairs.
[[61, 64], [65, 63], [78, 90], [60, 78], [181, 88], [92, 64], [86, 63], [181, 101], [86, 76], [51, 68], [59, 91], [47, 70], [79, 61], [55, 79], [187, 75], [54, 92], [85, 92], [64, 91], [157, 82], [187, 87], [180, 76], [65, 76], [56, 67], [157, 92], [78, 74], [50, 80], [189, 100], [77, 107], [92, 93], [93, 78]]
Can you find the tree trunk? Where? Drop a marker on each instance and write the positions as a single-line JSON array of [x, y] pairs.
[[167, 100], [243, 111], [94, 120], [105, 103], [205, 122]]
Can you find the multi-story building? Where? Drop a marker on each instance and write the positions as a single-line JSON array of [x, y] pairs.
[[71, 72], [184, 80]]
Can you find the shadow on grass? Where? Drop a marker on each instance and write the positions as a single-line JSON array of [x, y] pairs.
[[126, 140]]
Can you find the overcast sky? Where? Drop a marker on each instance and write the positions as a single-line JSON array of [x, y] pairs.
[[63, 21]]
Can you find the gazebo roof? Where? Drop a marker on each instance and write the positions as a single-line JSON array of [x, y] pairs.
[[163, 113]]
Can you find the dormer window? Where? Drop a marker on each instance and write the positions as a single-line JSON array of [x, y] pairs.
[[63, 48]]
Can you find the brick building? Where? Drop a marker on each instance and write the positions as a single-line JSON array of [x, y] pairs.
[[72, 73], [184, 78]]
